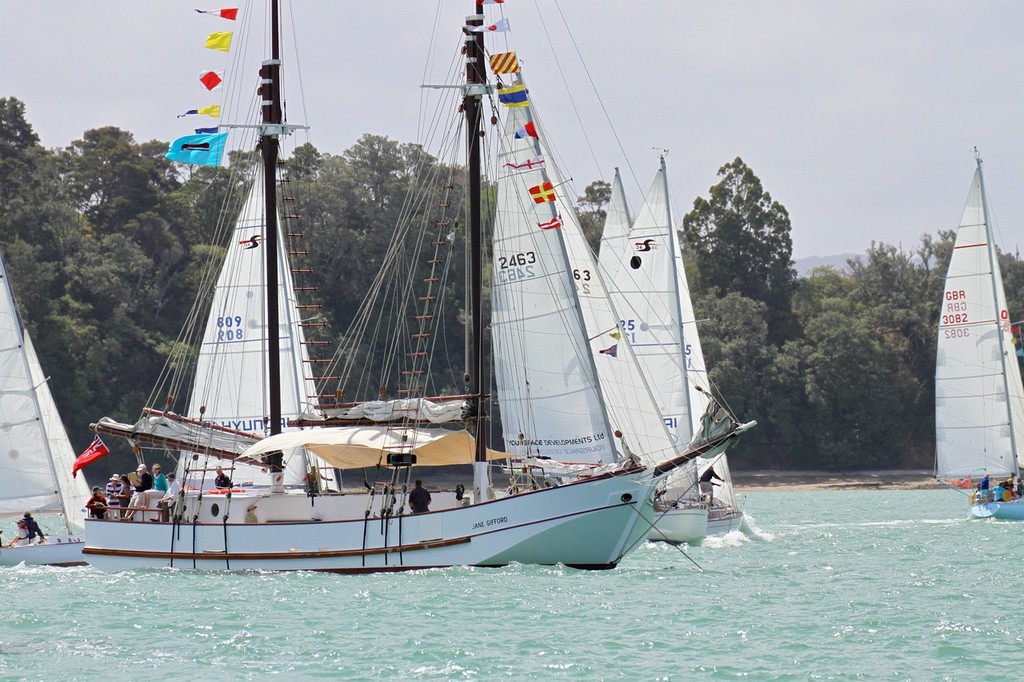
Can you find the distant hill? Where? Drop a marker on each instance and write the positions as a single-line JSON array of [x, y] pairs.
[[805, 265]]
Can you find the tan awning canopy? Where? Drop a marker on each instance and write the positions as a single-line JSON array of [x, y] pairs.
[[353, 447]]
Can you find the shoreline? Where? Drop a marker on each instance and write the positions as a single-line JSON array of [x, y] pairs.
[[783, 481]]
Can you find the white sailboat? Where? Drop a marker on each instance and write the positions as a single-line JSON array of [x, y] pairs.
[[591, 522], [644, 261], [979, 401], [35, 453]]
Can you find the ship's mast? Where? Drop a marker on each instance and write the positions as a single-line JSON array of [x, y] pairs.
[[269, 144], [476, 76]]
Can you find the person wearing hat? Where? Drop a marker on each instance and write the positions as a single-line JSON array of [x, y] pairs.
[[97, 504], [22, 537], [113, 496], [139, 498]]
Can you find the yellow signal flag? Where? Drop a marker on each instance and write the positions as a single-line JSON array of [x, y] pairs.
[[212, 110], [220, 40]]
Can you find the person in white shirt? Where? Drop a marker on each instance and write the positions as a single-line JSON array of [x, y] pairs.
[[166, 503]]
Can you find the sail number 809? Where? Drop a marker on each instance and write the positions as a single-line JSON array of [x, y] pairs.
[[229, 328]]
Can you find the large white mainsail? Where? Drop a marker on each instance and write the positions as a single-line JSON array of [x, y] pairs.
[[35, 453], [231, 372], [979, 403], [550, 400]]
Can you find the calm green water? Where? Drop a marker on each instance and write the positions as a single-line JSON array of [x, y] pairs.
[[830, 585]]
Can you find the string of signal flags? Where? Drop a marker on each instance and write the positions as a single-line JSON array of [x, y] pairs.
[[206, 146]]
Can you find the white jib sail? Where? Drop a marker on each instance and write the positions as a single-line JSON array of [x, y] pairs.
[[231, 372], [979, 407], [28, 474]]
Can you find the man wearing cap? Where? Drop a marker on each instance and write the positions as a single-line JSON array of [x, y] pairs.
[[145, 483]]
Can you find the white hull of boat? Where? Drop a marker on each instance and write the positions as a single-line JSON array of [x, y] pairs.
[[1005, 511], [677, 526], [722, 521], [58, 550], [589, 524]]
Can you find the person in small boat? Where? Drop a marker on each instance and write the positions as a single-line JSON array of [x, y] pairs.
[[419, 498], [1019, 490], [983, 489], [707, 485], [97, 504], [997, 493], [35, 533], [221, 480], [21, 538]]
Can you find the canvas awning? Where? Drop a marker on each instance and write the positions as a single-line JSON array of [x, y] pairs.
[[353, 447]]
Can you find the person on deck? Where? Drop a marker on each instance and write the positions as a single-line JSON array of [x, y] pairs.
[[707, 485], [22, 537], [97, 504], [139, 497], [983, 489], [113, 492], [221, 480], [166, 503], [159, 480], [124, 497], [34, 532], [419, 498]]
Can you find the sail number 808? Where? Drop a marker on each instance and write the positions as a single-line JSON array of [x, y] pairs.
[[229, 328]]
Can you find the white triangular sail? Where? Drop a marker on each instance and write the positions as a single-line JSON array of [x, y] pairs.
[[648, 286], [632, 409], [35, 454], [231, 372], [979, 403], [551, 404]]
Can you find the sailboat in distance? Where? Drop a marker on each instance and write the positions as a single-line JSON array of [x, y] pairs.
[[979, 401], [592, 522], [643, 261], [35, 454]]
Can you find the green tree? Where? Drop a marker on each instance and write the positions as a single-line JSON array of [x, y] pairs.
[[591, 210], [741, 240]]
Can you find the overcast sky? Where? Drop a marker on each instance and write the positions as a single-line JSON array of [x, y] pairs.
[[859, 117]]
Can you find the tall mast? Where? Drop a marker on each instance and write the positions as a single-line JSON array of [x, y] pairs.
[[270, 95], [475, 76]]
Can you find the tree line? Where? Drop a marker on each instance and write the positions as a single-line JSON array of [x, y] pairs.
[[105, 242]]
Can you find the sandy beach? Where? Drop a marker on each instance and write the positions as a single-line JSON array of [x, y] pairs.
[[918, 479]]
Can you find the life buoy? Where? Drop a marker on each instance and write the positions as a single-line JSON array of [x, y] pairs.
[[225, 491]]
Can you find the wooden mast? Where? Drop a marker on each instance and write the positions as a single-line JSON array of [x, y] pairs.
[[272, 129], [476, 78]]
